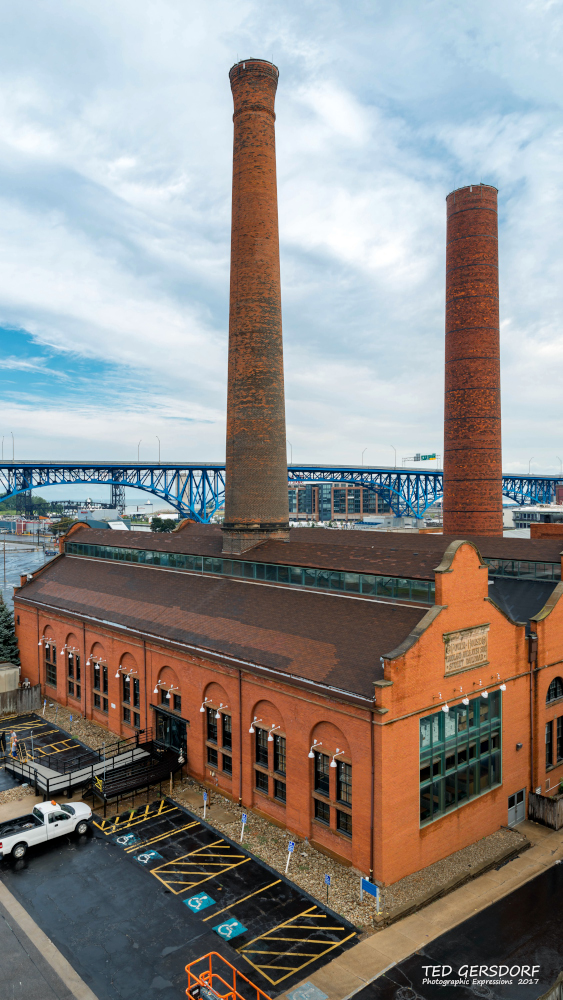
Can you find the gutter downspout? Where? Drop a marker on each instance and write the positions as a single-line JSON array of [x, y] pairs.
[[145, 669], [240, 737], [372, 803], [532, 657]]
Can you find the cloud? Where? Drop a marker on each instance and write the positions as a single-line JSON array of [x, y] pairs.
[[115, 166]]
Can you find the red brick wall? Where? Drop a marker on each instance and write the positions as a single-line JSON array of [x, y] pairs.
[[472, 427], [419, 688], [546, 530]]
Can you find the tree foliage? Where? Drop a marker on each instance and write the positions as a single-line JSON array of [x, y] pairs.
[[163, 524], [9, 652]]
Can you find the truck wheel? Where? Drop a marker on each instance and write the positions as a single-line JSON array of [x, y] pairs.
[[20, 850], [81, 827]]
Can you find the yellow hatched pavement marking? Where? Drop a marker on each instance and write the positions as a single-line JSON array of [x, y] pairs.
[[115, 823], [50, 749], [160, 836], [243, 900], [292, 959], [198, 866]]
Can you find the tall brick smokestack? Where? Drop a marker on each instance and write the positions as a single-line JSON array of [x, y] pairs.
[[256, 503], [472, 428]]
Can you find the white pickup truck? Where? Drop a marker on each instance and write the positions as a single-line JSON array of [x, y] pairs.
[[47, 821]]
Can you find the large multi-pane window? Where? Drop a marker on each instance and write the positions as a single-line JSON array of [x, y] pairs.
[[131, 695], [344, 782], [322, 772], [555, 690], [549, 744], [460, 755], [51, 664], [262, 747], [212, 754], [211, 725], [279, 767], [227, 743], [560, 738], [100, 686], [73, 674]]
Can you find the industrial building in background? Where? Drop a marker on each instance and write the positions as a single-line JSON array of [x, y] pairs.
[[391, 697], [472, 421]]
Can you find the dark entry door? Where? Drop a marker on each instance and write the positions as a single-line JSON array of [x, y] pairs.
[[170, 731]]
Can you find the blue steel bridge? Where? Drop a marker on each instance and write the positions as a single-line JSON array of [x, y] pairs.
[[198, 489]]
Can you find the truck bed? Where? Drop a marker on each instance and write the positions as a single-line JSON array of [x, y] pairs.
[[17, 825]]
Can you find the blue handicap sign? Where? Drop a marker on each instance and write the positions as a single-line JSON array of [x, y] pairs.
[[291, 846], [229, 929], [127, 840], [370, 888], [327, 879], [205, 796], [244, 817], [147, 856], [199, 902]]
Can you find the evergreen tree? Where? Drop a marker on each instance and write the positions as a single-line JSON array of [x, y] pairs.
[[9, 652]]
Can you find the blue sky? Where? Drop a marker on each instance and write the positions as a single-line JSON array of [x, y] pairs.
[[115, 171]]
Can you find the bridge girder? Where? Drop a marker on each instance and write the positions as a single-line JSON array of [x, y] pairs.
[[198, 491]]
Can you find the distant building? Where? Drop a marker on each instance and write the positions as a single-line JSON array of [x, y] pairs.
[[551, 513]]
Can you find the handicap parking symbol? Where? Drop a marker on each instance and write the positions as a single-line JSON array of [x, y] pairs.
[[148, 856], [199, 902], [127, 840], [229, 930]]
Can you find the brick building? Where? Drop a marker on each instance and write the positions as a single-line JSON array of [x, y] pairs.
[[350, 641]]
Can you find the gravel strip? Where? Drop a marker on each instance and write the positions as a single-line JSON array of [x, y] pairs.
[[307, 867]]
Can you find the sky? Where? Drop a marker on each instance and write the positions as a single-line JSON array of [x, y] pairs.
[[115, 186]]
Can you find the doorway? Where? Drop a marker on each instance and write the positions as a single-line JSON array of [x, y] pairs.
[[517, 807], [171, 731]]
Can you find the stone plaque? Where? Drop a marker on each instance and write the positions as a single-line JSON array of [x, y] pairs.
[[467, 648]]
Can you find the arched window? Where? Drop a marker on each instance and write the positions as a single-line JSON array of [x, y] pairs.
[[555, 690]]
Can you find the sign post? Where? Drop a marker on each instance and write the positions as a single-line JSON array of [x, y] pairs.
[[204, 803], [244, 818], [290, 849], [371, 889], [70, 725], [327, 883], [44, 705]]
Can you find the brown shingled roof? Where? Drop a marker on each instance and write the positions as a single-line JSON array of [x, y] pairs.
[[413, 556], [329, 640]]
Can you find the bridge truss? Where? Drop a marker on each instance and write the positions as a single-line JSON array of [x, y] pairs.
[[198, 490]]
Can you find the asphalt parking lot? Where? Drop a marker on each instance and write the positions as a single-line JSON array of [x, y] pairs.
[[47, 743], [524, 929], [131, 904]]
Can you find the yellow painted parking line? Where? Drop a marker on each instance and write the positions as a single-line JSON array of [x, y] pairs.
[[198, 866], [317, 947], [161, 836], [115, 823], [243, 900], [50, 749]]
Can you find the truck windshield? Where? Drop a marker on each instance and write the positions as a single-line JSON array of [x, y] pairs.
[[68, 809], [38, 814]]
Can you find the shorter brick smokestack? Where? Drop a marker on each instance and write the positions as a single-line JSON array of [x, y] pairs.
[[256, 501], [472, 424]]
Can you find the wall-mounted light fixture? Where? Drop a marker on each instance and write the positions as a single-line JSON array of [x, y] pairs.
[[503, 687], [313, 748], [333, 762], [484, 694], [204, 703], [253, 723], [445, 708], [270, 737], [519, 746], [218, 712], [465, 701]]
